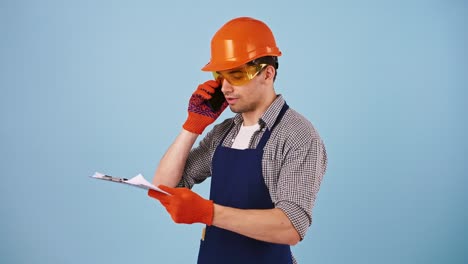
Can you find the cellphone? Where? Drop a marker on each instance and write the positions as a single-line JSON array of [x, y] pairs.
[[217, 99]]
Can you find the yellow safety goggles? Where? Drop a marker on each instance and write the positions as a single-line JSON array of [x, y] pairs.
[[240, 76]]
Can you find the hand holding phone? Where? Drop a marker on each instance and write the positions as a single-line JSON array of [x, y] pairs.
[[205, 105], [217, 99]]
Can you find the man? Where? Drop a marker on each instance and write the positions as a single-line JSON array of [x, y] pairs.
[[266, 163]]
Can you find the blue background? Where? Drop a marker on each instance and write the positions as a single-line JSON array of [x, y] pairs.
[[103, 86]]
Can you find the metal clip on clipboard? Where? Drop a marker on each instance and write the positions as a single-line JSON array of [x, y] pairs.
[[111, 178]]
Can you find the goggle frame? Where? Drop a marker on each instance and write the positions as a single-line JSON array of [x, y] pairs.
[[241, 75]]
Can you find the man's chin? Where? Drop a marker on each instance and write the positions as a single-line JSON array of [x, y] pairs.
[[235, 109]]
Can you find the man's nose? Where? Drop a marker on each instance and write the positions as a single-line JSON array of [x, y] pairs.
[[227, 87]]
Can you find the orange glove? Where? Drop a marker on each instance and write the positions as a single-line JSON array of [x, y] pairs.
[[200, 114], [185, 206]]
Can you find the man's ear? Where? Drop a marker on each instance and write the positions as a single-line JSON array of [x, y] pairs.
[[269, 72]]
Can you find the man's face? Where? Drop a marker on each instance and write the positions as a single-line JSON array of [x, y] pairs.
[[248, 97]]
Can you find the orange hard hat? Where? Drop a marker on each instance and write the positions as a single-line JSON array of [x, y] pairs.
[[239, 41]]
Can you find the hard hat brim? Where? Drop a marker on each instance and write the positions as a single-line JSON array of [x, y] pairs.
[[226, 65]]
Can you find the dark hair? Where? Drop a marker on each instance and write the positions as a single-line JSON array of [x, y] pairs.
[[270, 60]]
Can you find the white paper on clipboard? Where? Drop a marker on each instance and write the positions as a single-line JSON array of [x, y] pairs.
[[137, 181]]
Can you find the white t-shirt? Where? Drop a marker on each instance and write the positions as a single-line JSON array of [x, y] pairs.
[[242, 140]]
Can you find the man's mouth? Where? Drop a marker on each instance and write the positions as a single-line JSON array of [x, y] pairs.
[[231, 100]]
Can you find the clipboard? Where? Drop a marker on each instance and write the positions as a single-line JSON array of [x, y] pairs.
[[138, 181]]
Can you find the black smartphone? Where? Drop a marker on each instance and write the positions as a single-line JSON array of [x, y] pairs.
[[217, 99]]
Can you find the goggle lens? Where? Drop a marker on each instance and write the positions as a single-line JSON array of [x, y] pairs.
[[240, 76]]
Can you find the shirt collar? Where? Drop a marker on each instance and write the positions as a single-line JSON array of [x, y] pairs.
[[269, 117]]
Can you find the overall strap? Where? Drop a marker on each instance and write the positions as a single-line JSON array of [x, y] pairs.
[[267, 133]]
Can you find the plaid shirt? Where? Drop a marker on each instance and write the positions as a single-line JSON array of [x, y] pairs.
[[293, 164]]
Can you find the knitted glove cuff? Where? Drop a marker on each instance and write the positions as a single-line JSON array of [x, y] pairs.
[[197, 123], [207, 212]]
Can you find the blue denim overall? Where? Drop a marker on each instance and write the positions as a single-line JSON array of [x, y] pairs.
[[237, 181]]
